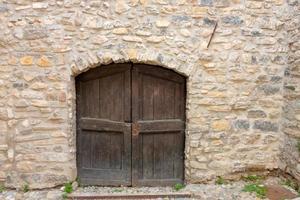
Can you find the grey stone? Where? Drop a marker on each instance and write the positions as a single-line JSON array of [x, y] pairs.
[[256, 114], [242, 124], [208, 21], [34, 32], [269, 89], [233, 20], [265, 126], [180, 18], [206, 2], [3, 8], [276, 79]]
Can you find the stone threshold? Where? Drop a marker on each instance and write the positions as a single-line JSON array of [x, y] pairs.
[[95, 196]]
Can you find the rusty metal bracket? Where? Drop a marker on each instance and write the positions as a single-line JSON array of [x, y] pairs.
[[211, 36], [135, 129]]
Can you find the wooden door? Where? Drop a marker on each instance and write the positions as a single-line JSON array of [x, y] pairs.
[[130, 125], [103, 131], [158, 104]]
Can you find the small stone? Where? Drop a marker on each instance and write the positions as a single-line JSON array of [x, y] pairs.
[[242, 124], [220, 125], [132, 54], [198, 11], [62, 97], [185, 32], [21, 103], [206, 2], [26, 60], [10, 154], [39, 103], [143, 33], [269, 89], [3, 114], [120, 31], [38, 85], [121, 6], [256, 114], [162, 23], [155, 39], [54, 195], [40, 5], [34, 32], [75, 185], [233, 20], [198, 165], [265, 126], [99, 39], [132, 39], [3, 8], [44, 62]]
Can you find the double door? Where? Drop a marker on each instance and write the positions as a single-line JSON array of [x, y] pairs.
[[130, 125]]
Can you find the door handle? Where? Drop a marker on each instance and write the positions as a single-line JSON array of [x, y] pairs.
[[135, 129]]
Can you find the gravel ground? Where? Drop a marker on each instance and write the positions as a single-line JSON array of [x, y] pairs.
[[231, 191]]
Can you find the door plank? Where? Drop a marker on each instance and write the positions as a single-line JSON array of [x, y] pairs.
[[103, 125], [160, 125], [159, 122]]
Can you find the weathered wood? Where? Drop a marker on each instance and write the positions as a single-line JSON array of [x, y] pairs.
[[131, 123], [103, 135], [158, 103]]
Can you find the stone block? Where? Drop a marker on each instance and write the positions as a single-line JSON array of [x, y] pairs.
[[266, 126], [242, 124], [256, 114], [26, 60], [220, 125]]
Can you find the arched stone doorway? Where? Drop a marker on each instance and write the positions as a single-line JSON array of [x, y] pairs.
[[130, 125]]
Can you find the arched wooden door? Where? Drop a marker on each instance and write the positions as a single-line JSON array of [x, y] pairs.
[[130, 125]]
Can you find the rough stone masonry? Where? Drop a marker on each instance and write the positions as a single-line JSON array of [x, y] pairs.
[[243, 91]]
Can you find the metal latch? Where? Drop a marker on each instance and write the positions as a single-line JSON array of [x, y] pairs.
[[135, 129]]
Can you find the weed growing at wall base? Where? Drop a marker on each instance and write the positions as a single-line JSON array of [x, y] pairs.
[[260, 190], [2, 188], [178, 186]]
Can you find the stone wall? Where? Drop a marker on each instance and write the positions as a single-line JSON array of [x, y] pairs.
[[291, 111], [234, 89]]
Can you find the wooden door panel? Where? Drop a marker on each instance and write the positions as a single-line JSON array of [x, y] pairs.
[[103, 135], [159, 156], [158, 105]]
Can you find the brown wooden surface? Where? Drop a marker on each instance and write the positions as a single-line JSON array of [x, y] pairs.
[[130, 125], [103, 134], [158, 103]]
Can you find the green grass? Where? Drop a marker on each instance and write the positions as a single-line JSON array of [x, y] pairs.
[[178, 186], [220, 181], [260, 190], [118, 190], [68, 188], [25, 188], [2, 188], [253, 178]]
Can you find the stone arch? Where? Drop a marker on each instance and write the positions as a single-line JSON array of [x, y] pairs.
[[82, 63]]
